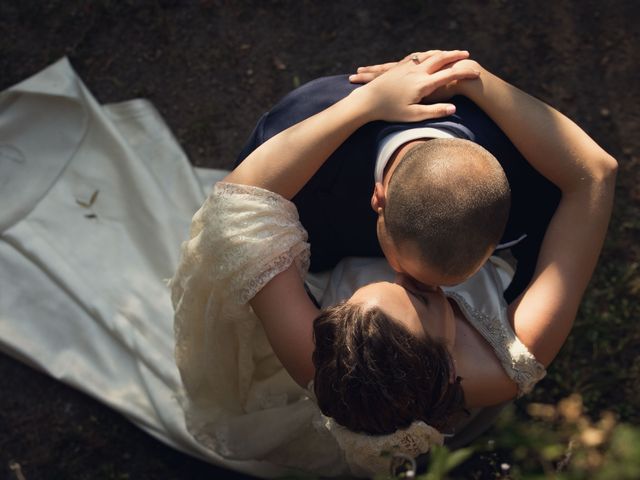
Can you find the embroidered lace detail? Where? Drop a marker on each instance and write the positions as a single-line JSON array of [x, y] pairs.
[[368, 455], [517, 361], [267, 239]]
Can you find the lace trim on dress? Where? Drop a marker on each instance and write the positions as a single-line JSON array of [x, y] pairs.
[[298, 253], [369, 455], [275, 200], [517, 361]]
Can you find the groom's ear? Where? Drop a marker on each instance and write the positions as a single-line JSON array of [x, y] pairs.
[[378, 199]]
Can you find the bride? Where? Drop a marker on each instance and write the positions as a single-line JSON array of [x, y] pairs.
[[396, 366]]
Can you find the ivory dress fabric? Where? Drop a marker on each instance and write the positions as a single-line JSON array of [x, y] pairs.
[[95, 202]]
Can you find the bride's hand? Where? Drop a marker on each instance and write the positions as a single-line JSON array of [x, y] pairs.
[[368, 73], [396, 90]]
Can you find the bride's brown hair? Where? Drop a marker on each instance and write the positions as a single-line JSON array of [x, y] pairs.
[[374, 376]]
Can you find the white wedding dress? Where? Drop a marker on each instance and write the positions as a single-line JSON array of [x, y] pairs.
[[83, 284], [96, 200]]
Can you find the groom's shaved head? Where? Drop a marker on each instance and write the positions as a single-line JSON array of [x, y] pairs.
[[448, 199]]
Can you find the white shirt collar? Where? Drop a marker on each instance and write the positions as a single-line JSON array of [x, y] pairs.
[[393, 141]]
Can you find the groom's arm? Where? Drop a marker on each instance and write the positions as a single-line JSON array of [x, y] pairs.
[[286, 162]]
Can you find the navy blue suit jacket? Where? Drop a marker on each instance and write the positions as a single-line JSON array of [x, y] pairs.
[[335, 205]]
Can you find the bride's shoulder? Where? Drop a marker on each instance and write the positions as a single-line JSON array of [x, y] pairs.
[[496, 365], [484, 379]]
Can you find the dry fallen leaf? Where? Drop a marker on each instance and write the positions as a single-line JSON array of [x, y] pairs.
[[278, 63], [94, 195]]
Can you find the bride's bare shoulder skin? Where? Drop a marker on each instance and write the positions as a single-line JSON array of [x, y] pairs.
[[484, 380]]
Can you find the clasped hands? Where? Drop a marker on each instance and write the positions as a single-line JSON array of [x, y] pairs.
[[412, 89]]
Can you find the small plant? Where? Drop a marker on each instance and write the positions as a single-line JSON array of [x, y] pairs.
[[561, 442]]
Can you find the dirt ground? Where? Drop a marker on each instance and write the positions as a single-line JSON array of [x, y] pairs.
[[213, 66]]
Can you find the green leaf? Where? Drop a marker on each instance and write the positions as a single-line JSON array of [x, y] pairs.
[[456, 458]]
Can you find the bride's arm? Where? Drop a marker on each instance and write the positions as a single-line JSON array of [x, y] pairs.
[[287, 161], [543, 314], [287, 315]]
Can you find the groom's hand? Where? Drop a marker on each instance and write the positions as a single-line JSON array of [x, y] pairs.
[[368, 73]]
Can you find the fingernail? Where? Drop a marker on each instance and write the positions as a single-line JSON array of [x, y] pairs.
[[451, 109], [351, 77]]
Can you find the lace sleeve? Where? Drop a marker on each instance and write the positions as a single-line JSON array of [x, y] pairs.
[[245, 235], [370, 455], [240, 238]]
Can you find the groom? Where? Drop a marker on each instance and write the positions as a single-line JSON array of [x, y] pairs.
[[336, 204]]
